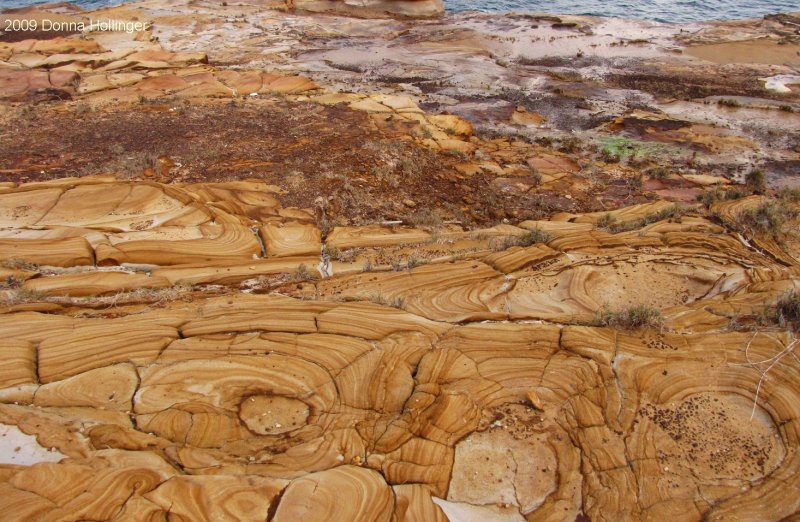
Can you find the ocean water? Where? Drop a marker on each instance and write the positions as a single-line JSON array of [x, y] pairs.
[[658, 10]]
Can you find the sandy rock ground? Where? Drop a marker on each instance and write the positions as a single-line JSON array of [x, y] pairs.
[[263, 264]]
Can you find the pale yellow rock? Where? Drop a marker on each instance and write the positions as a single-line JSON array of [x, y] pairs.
[[71, 251], [232, 272], [413, 503], [453, 125], [98, 344], [111, 387], [375, 236], [93, 283], [291, 239], [319, 496], [17, 363], [217, 497], [370, 105]]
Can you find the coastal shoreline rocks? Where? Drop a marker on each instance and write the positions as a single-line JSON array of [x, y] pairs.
[[259, 263]]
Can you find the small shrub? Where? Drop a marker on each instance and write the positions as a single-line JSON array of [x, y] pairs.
[[424, 218], [24, 110], [672, 212], [657, 173], [636, 182], [11, 282], [637, 316], [414, 261], [367, 267], [605, 221], [709, 197], [331, 252], [82, 108], [532, 237], [529, 238], [326, 225], [410, 167], [756, 181], [337, 254], [609, 157], [638, 161], [769, 218], [396, 302], [570, 145], [729, 102], [303, 273], [790, 195]]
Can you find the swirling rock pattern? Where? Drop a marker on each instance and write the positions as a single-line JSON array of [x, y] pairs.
[[472, 395], [232, 350]]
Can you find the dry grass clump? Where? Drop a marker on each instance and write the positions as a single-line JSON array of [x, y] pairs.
[[789, 195], [303, 273], [605, 221], [729, 102], [657, 172], [410, 166], [709, 197], [19, 264], [636, 316], [11, 282], [326, 225], [337, 254], [787, 310], [608, 222], [367, 266], [756, 181], [531, 237], [126, 165], [153, 296], [424, 219], [414, 261], [20, 295], [769, 218], [394, 302]]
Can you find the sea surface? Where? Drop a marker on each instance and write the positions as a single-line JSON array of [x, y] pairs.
[[658, 10]]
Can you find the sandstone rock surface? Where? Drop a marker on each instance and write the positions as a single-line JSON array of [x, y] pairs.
[[273, 300]]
